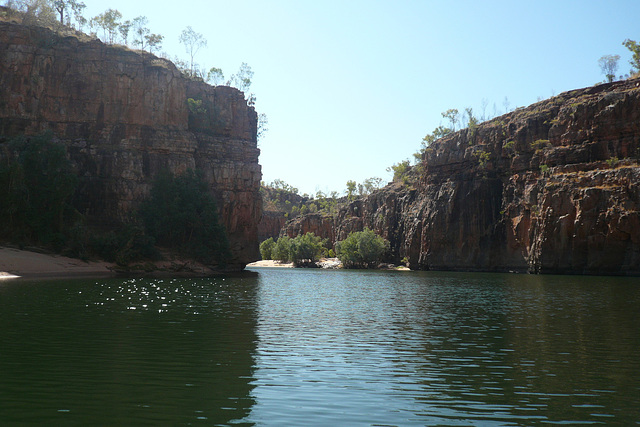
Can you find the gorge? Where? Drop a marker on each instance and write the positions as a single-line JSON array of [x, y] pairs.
[[550, 188]]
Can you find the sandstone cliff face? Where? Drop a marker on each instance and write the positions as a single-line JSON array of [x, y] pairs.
[[124, 117], [551, 188]]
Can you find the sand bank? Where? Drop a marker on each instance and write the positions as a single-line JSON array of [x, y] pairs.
[[17, 263]]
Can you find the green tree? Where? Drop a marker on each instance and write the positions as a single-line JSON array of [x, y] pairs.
[[372, 184], [361, 249], [400, 171], [266, 248], [180, 213], [306, 249], [215, 76], [192, 42], [609, 66], [437, 133], [141, 31], [452, 115], [351, 190], [65, 7], [263, 125], [124, 29], [109, 21], [154, 41], [634, 47], [282, 250], [36, 186], [242, 79]]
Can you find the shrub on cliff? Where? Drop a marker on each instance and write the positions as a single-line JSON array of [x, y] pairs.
[[361, 249], [181, 214]]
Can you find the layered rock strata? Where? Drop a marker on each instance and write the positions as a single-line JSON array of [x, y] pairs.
[[551, 188], [124, 116]]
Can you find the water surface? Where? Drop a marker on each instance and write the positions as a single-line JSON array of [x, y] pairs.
[[310, 347]]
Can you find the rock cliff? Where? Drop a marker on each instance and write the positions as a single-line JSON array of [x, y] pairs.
[[124, 116], [551, 188]]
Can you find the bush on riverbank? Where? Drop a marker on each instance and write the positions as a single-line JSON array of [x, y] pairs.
[[304, 250], [362, 249]]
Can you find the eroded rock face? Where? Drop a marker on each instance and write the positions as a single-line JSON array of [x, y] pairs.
[[124, 117], [551, 188]]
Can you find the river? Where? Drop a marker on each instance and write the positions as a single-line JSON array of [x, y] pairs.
[[309, 347]]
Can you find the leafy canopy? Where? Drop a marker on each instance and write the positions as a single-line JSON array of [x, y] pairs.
[[180, 213], [361, 249], [302, 250], [37, 183]]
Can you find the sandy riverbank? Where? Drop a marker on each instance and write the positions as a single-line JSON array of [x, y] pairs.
[[17, 263], [270, 263]]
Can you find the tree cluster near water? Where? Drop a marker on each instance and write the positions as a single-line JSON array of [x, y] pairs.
[[37, 184], [38, 194], [303, 250], [180, 213], [362, 249]]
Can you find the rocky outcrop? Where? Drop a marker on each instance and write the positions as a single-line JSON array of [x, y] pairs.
[[319, 224], [270, 225], [551, 188], [124, 116]]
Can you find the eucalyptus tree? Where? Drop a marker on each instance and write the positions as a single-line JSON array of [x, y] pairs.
[[242, 79], [215, 76], [192, 42], [109, 22], [66, 7], [140, 30], [634, 47], [609, 65]]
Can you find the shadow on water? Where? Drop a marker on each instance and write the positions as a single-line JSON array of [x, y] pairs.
[[127, 352]]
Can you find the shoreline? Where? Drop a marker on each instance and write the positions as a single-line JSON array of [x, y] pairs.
[[24, 264], [16, 263], [270, 263]]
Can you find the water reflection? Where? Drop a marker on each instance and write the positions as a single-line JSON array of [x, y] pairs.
[[133, 352], [445, 349], [305, 347]]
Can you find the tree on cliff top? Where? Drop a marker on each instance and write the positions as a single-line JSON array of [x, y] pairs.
[[109, 21], [242, 79], [192, 42], [65, 7], [609, 65], [634, 47]]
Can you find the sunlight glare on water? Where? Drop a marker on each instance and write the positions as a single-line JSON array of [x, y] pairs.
[[310, 347]]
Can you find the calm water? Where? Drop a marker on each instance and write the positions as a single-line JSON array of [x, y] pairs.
[[307, 347]]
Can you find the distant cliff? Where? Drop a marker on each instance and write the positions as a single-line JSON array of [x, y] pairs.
[[551, 188], [124, 117]]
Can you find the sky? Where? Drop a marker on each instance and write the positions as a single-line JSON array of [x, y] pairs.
[[350, 87]]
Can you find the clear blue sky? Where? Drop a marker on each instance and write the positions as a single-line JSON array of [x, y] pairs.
[[350, 87]]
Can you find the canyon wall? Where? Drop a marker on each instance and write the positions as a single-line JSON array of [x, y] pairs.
[[550, 188], [124, 117]]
